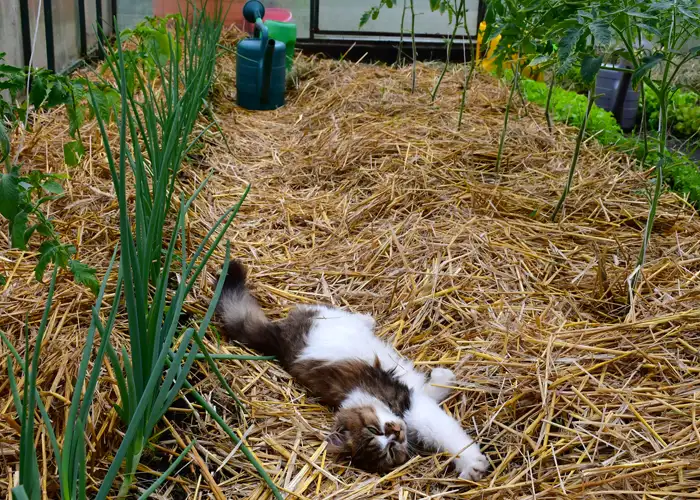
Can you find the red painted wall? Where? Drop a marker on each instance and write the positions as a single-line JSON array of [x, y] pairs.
[[232, 8]]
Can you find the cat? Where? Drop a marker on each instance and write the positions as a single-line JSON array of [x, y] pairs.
[[385, 407]]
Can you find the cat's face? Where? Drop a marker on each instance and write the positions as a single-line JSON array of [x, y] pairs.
[[371, 444]]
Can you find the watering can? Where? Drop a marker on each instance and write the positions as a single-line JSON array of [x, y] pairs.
[[260, 64]]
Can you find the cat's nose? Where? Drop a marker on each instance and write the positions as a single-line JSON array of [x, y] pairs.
[[394, 429]]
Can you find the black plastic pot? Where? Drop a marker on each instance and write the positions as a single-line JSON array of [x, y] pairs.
[[618, 97]]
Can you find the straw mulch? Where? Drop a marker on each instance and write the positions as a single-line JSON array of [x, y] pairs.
[[365, 196]]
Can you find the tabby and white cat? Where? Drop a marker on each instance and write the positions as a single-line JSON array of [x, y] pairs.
[[383, 403]]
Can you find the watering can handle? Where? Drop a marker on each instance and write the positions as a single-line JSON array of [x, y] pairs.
[[263, 31], [263, 47]]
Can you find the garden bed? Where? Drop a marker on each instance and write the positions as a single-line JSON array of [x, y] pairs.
[[365, 196]]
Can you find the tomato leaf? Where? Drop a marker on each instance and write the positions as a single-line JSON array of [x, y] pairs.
[[52, 187], [590, 66], [649, 28], [45, 229], [642, 15], [84, 275], [18, 231], [9, 195], [47, 250], [4, 142], [72, 152], [57, 95], [540, 60], [364, 19], [648, 63], [567, 47], [38, 92], [52, 251], [601, 32], [688, 13]]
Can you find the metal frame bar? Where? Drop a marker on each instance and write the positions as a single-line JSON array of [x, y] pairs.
[[480, 14], [366, 34], [100, 28], [48, 28], [113, 20], [82, 28], [26, 31], [313, 5]]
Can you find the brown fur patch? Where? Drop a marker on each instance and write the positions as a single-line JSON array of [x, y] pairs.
[[244, 321], [332, 382], [292, 333]]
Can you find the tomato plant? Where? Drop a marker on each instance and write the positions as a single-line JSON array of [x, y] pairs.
[[22, 194]]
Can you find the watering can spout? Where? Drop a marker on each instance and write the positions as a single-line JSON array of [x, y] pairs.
[[263, 71]]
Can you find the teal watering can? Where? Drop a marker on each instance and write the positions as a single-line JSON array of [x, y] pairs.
[[260, 65]]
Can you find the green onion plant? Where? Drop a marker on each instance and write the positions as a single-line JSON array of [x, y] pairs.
[[70, 456], [158, 116]]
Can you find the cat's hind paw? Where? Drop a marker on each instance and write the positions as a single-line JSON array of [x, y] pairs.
[[440, 377], [472, 464]]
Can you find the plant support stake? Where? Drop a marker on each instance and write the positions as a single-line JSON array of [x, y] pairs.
[[468, 72], [413, 46], [448, 50], [399, 58], [574, 159], [547, 113], [514, 85]]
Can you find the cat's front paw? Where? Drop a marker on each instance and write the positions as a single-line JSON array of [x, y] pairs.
[[472, 464], [442, 376]]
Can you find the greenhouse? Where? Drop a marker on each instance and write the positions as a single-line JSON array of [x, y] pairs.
[[324, 249]]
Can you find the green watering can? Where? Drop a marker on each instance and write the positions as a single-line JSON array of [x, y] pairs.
[[287, 34]]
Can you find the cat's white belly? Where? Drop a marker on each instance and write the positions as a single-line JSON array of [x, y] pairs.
[[338, 335]]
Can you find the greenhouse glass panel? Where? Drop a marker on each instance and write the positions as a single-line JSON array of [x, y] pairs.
[[132, 12], [39, 44], [11, 33], [66, 33], [343, 17], [91, 20]]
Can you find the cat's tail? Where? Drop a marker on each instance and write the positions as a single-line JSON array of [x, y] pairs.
[[243, 319]]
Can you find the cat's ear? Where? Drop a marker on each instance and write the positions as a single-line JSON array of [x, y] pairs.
[[338, 441]]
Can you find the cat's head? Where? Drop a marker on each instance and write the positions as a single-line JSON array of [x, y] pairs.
[[372, 444]]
